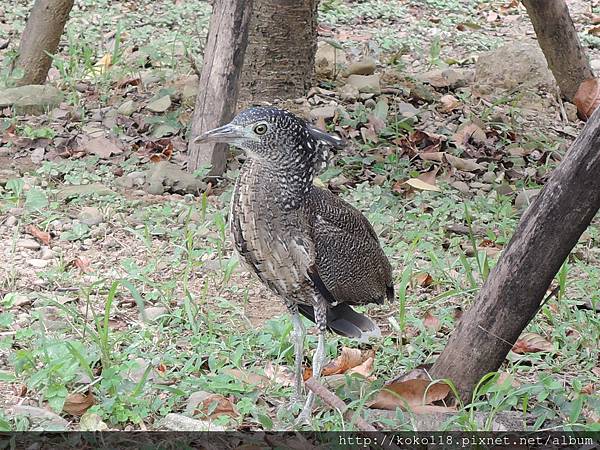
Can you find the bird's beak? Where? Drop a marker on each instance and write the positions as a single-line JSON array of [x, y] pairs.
[[227, 134]]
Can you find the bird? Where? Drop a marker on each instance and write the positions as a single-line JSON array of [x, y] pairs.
[[316, 252]]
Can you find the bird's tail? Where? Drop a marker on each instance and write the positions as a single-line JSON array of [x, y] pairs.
[[343, 320]]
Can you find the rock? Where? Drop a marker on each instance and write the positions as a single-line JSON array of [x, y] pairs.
[[461, 186], [6, 175], [595, 64], [39, 416], [365, 66], [406, 109], [369, 84], [11, 221], [515, 68], [127, 108], [83, 189], [124, 182], [136, 374], [32, 99], [160, 104], [167, 177], [329, 60], [488, 177], [348, 93], [571, 111], [324, 112], [21, 300], [38, 263], [448, 78], [525, 197], [90, 215], [179, 422], [46, 253], [29, 244], [153, 312], [37, 155]]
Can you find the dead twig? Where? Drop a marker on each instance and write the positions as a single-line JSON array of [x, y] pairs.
[[335, 402]]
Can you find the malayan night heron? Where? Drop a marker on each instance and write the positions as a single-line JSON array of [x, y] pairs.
[[319, 254]]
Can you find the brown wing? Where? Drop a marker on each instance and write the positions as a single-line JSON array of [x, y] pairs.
[[350, 266]]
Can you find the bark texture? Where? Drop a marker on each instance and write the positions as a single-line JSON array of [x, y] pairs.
[[558, 40], [280, 58], [511, 296], [219, 80], [40, 38]]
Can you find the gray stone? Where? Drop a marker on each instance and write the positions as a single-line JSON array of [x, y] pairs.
[[127, 108], [448, 78], [46, 253], [159, 105], [525, 197], [348, 93], [32, 99], [83, 189], [90, 215], [29, 244], [488, 177], [365, 66], [154, 312], [514, 67], [37, 263], [324, 112], [39, 416], [571, 111], [11, 221], [595, 64], [179, 422], [329, 60], [461, 186], [167, 177], [370, 84], [407, 110]]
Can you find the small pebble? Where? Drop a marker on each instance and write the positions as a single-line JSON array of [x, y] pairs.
[[29, 244], [46, 253], [38, 263], [11, 221]]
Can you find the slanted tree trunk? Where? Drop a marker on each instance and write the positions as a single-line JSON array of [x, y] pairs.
[[40, 39], [219, 80], [512, 294], [558, 39], [281, 50]]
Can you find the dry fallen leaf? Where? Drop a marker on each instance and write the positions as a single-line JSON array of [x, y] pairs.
[[449, 103], [102, 147], [279, 374], [504, 377], [423, 279], [466, 165], [348, 359], [532, 343], [247, 377], [421, 185], [78, 404], [587, 97], [469, 133], [431, 322], [410, 391], [213, 405], [83, 263], [40, 235]]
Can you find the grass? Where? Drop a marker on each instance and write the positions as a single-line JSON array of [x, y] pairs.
[[151, 305]]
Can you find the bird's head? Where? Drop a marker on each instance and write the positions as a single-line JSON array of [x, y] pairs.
[[274, 135]]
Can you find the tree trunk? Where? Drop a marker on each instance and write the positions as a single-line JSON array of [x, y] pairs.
[[558, 39], [512, 294], [281, 51], [219, 81], [40, 39]]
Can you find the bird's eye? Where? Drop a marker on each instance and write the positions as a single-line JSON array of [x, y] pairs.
[[260, 129]]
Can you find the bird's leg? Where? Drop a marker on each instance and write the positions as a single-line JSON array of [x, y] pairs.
[[298, 336], [318, 360]]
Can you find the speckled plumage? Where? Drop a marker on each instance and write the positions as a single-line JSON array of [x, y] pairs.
[[319, 254], [307, 245]]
